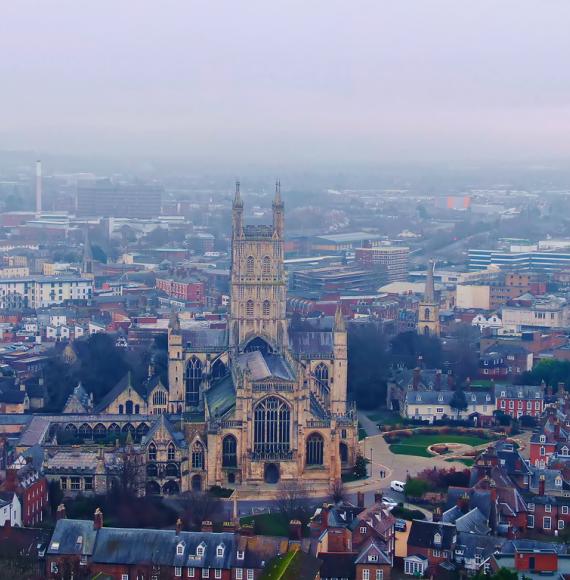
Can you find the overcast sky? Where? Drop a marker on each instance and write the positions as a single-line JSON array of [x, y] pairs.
[[298, 81]]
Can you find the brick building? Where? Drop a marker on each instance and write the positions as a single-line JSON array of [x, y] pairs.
[[519, 400]]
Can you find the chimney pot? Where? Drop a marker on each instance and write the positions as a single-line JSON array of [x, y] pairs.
[[178, 526], [98, 519], [207, 526]]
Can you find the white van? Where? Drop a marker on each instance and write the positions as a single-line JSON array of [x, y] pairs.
[[398, 486]]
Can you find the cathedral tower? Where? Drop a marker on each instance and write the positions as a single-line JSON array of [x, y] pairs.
[[258, 282], [428, 309]]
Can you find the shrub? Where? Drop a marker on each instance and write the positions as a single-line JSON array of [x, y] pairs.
[[416, 487]]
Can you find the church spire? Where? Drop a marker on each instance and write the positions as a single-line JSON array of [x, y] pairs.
[[278, 211], [238, 202], [339, 324], [429, 295], [237, 213], [174, 322]]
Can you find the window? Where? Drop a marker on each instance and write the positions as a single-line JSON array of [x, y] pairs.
[[229, 451], [502, 404], [542, 451], [366, 574], [220, 551], [240, 555], [171, 452], [530, 521], [75, 483], [546, 523], [53, 568], [180, 549], [543, 439], [88, 483], [537, 405], [266, 266], [124, 577], [439, 410], [197, 456], [272, 426], [250, 262], [200, 550], [530, 507], [191, 572], [266, 307], [436, 553], [239, 573], [564, 509], [249, 308], [560, 524], [218, 573], [363, 529], [249, 574], [511, 404], [193, 381], [177, 571], [152, 452], [205, 572], [315, 447], [547, 508], [379, 574]]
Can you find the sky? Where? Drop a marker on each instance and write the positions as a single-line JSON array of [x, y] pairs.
[[287, 81]]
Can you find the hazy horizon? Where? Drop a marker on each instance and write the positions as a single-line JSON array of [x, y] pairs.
[[288, 82]]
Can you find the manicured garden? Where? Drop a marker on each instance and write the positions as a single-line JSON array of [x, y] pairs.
[[417, 444], [275, 524]]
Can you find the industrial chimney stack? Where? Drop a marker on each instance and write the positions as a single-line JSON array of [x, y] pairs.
[[38, 187]]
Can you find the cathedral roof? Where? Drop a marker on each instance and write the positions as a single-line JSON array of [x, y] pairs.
[[121, 386], [265, 366], [311, 343], [205, 338], [163, 423], [221, 396]]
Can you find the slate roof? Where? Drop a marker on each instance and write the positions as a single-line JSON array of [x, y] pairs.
[[510, 546], [429, 397], [72, 537], [259, 550], [373, 548], [337, 565], [205, 338], [264, 366], [477, 544], [311, 343], [422, 535], [135, 546], [550, 476], [221, 396], [474, 521], [163, 422], [520, 392]]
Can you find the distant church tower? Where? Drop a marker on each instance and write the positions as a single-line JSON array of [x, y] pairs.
[[258, 283], [87, 261], [428, 310]]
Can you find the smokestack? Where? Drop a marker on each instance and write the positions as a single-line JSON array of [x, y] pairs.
[[38, 187]]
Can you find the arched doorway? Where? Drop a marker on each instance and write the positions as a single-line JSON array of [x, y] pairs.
[[196, 483], [170, 488], [271, 474], [343, 448]]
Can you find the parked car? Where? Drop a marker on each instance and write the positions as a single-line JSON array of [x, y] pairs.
[[397, 486], [401, 525], [389, 501]]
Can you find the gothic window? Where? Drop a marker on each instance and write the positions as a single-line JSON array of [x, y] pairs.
[[426, 313], [250, 264], [152, 452], [258, 344], [197, 456], [249, 308], [114, 430], [85, 431], [121, 410], [171, 452], [218, 369], [322, 374], [99, 432], [229, 451], [193, 380], [426, 330], [266, 266], [137, 409], [129, 407], [343, 449], [172, 470], [159, 398], [315, 445], [266, 307], [272, 426]]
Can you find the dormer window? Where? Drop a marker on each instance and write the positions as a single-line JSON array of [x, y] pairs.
[[473, 398], [558, 481], [180, 549], [200, 550], [437, 539], [503, 393], [220, 551], [520, 395], [440, 398], [373, 557], [543, 438], [419, 398], [487, 397], [240, 555], [564, 451]]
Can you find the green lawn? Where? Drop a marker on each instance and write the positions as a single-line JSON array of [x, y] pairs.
[[384, 417], [268, 524], [467, 462], [418, 444]]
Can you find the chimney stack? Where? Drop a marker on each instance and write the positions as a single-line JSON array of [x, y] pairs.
[[229, 527], [450, 380], [98, 519], [437, 514], [178, 526], [207, 526], [416, 379], [60, 514], [360, 499], [38, 187], [377, 497], [437, 380], [295, 530], [541, 485]]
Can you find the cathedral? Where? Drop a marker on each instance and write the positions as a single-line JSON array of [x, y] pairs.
[[262, 402]]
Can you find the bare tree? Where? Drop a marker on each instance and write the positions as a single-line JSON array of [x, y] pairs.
[[128, 472], [337, 491], [200, 506], [293, 500]]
